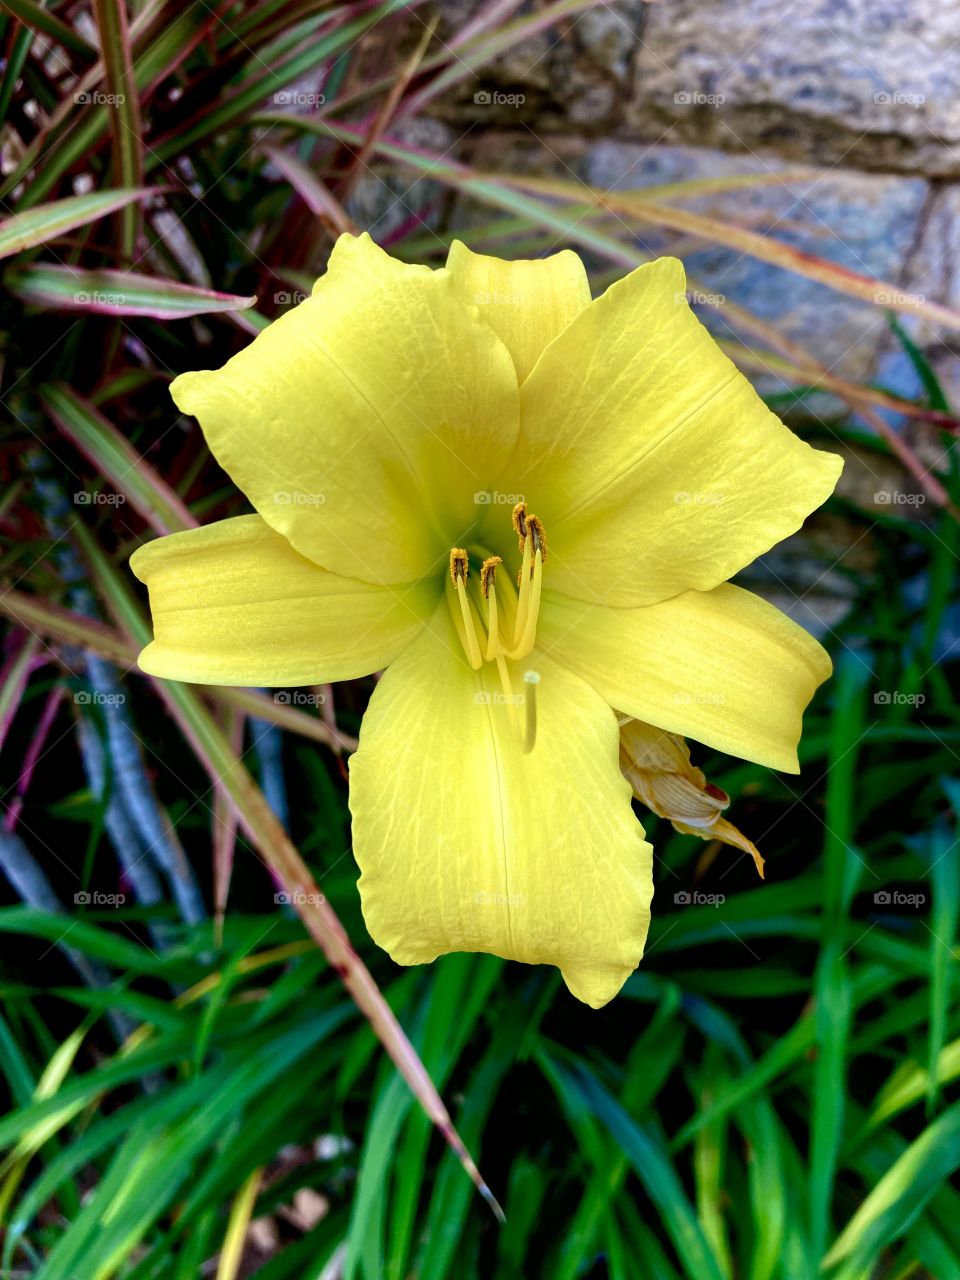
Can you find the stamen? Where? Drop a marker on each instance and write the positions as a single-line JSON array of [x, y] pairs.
[[523, 585], [528, 612], [533, 607], [459, 564], [506, 684], [531, 679], [488, 574], [539, 537], [520, 522], [459, 568], [488, 588]]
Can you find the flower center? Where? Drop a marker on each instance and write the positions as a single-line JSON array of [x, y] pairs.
[[498, 624]]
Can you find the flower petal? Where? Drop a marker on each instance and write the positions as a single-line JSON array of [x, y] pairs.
[[363, 421], [722, 666], [233, 603], [527, 303], [466, 844], [650, 459]]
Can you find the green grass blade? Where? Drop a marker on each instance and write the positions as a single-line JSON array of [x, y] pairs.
[[49, 221]]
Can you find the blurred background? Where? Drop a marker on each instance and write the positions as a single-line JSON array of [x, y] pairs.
[[198, 1079]]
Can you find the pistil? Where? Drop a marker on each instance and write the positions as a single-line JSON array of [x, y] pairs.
[[531, 680]]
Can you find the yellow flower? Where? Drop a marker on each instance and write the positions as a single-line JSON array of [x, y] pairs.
[[417, 442]]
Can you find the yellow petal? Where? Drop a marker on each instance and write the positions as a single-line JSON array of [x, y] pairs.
[[466, 844], [723, 667], [652, 462], [233, 603], [362, 423], [527, 303]]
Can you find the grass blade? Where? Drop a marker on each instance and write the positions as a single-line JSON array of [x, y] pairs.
[[115, 456], [111, 16], [48, 221], [117, 293], [903, 1191]]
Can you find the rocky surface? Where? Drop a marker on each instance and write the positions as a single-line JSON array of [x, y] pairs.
[[869, 83]]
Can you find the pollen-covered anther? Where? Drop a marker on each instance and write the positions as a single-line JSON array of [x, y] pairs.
[[519, 517], [488, 574], [535, 527], [459, 565]]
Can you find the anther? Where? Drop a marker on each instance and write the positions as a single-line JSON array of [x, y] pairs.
[[520, 522], [488, 574], [539, 537], [459, 564]]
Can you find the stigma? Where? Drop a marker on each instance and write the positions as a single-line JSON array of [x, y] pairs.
[[497, 623]]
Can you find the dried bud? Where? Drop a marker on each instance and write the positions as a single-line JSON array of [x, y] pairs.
[[657, 765]]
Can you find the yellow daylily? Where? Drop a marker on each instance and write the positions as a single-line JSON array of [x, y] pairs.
[[414, 443]]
